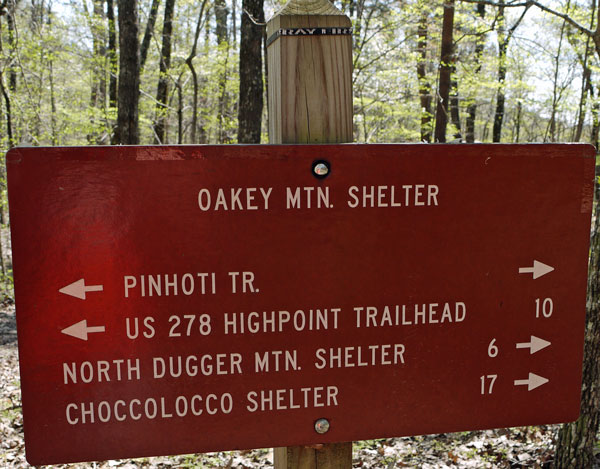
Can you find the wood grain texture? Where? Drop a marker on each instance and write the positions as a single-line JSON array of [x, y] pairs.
[[331, 456], [310, 89], [309, 7]]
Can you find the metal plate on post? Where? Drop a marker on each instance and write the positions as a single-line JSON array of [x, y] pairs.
[[201, 298]]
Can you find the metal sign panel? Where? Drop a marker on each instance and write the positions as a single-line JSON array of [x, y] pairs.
[[200, 298]]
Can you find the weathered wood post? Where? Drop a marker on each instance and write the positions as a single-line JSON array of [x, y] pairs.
[[309, 48]]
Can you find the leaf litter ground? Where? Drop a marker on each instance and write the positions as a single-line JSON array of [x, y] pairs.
[[523, 447]]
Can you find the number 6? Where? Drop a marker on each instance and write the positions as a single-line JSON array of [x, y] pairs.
[[492, 349]]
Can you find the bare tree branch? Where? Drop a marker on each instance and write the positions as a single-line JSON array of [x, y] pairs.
[[529, 3], [564, 16], [511, 31]]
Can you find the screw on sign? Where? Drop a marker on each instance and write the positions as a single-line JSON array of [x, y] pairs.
[[322, 426], [415, 289]]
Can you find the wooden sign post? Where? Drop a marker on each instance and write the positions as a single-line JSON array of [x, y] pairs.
[[309, 48], [310, 74]]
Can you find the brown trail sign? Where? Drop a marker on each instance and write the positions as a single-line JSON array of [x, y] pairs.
[[201, 298]]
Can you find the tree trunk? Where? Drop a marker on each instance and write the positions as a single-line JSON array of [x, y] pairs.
[[98, 88], [37, 81], [112, 54], [221, 15], [162, 92], [127, 131], [500, 98], [251, 79], [441, 114], [223, 100], [454, 103], [53, 124], [12, 43], [424, 86], [179, 111], [504, 38], [472, 108], [265, 70], [189, 62], [11, 71], [595, 120], [7, 107], [148, 33], [556, 95], [99, 40], [585, 89], [518, 123], [586, 76], [233, 30]]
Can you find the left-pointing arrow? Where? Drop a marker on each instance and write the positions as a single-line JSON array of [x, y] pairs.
[[78, 289], [81, 330]]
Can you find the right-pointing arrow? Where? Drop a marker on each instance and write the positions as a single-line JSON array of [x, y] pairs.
[[534, 381], [534, 345], [538, 269]]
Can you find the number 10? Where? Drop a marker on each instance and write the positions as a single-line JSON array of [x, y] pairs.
[[546, 307]]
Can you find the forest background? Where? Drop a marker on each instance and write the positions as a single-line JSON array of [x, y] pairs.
[[518, 75], [513, 72], [499, 71]]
